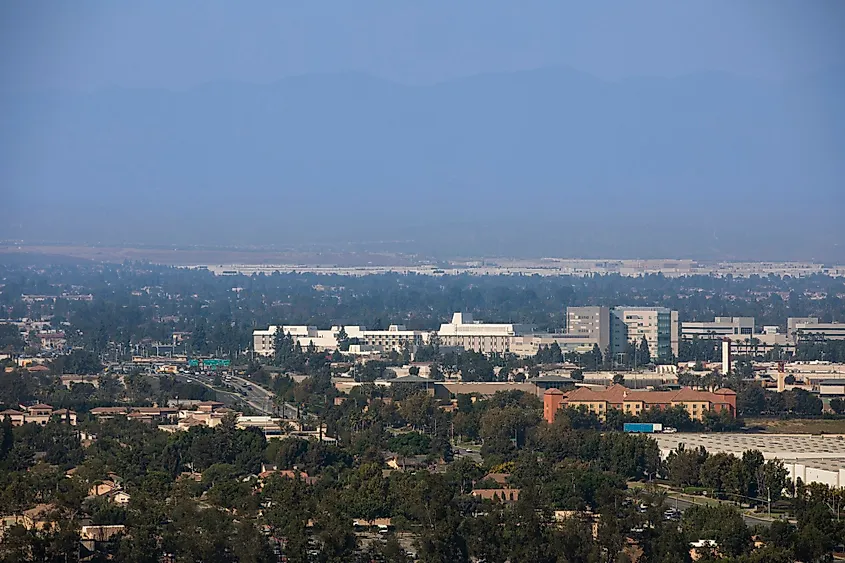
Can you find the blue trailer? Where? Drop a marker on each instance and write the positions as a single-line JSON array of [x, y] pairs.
[[642, 427]]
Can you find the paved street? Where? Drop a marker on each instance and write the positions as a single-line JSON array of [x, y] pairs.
[[683, 504]]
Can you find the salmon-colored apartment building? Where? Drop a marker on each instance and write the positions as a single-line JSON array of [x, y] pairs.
[[634, 402]]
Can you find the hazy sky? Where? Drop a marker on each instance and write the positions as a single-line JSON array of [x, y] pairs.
[[719, 123], [177, 44]]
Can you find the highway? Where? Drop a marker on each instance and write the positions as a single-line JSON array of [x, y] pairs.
[[244, 391]]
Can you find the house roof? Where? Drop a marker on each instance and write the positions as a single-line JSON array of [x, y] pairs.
[[551, 378], [39, 511], [412, 379], [500, 478], [10, 412], [40, 406], [109, 410]]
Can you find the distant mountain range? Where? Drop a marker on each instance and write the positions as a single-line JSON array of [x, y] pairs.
[[544, 162]]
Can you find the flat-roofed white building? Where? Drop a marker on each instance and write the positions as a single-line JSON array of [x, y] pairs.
[[396, 337], [263, 341], [530, 344], [721, 327], [811, 458], [466, 333], [810, 328]]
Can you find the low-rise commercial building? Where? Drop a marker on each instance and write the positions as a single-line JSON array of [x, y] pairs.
[[809, 328], [466, 333], [721, 327], [395, 338]]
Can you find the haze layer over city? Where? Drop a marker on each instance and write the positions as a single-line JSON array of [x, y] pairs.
[[609, 130], [437, 282]]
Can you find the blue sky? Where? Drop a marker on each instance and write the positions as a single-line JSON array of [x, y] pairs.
[[178, 44]]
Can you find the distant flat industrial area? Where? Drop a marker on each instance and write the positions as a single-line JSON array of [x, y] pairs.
[[547, 267], [359, 262]]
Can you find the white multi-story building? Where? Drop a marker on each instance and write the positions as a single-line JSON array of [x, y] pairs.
[[464, 332], [263, 341], [810, 327], [721, 327], [396, 337], [529, 345], [658, 325]]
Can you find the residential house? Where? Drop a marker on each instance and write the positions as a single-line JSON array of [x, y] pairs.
[[17, 417], [102, 488], [39, 517], [501, 495]]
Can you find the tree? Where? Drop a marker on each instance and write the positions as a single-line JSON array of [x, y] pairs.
[[618, 379], [722, 523], [775, 478], [751, 401], [837, 405], [715, 471], [684, 466], [7, 438], [644, 354], [342, 340]]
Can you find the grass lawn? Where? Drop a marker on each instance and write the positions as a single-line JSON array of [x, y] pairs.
[[797, 426]]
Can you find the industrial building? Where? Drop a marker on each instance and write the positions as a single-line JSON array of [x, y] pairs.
[[812, 458]]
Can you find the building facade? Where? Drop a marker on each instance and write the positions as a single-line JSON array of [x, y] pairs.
[[810, 328], [466, 333], [634, 402], [396, 337], [658, 325], [721, 327], [590, 322]]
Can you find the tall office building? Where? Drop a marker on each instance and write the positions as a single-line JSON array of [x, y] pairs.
[[658, 325], [590, 322]]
